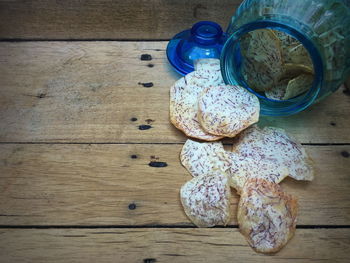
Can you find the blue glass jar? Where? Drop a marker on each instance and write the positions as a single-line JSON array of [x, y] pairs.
[[322, 26]]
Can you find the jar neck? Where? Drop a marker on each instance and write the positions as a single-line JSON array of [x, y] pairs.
[[231, 61]]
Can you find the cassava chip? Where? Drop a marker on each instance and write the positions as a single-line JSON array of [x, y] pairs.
[[286, 40], [262, 60], [278, 91], [202, 158], [298, 55], [298, 86], [286, 43], [211, 64], [206, 200], [184, 98], [255, 77], [244, 168], [294, 73], [275, 145], [291, 70], [266, 215], [227, 110]]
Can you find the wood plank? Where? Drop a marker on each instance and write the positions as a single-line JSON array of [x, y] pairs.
[[165, 245], [90, 91], [96, 184], [105, 19]]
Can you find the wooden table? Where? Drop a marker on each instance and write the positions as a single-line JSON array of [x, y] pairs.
[[89, 163]]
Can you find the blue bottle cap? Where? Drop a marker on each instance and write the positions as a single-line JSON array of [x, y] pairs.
[[204, 40]]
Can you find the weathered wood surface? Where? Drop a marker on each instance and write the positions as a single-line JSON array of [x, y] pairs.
[[58, 99], [106, 19], [91, 91], [72, 184], [164, 245]]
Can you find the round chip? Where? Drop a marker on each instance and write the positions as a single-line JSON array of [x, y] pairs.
[[227, 110], [243, 168], [278, 91], [286, 43], [298, 55], [298, 86], [291, 70], [202, 158], [266, 215], [275, 145], [184, 99], [296, 78], [262, 60], [206, 200], [286, 40]]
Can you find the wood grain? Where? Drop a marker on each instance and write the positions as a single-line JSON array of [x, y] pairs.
[[72, 184], [91, 91], [105, 19], [165, 245]]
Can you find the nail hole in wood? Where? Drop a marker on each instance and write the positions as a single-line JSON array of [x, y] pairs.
[[134, 156], [41, 95], [149, 260], [132, 206], [195, 9], [158, 164], [146, 84], [346, 91], [345, 154], [146, 57], [333, 123], [145, 127], [150, 65], [133, 119]]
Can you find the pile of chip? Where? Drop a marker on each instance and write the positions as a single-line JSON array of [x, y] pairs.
[[203, 107], [276, 64]]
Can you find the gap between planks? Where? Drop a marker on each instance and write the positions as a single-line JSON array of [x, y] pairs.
[[81, 40], [165, 245], [151, 143], [151, 226]]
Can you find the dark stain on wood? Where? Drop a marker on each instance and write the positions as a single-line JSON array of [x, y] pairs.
[[134, 156], [345, 154], [146, 57], [155, 49], [149, 260], [146, 84], [149, 121], [133, 119], [195, 9], [74, 236], [158, 164], [346, 90], [150, 65], [132, 206], [332, 123], [145, 127], [41, 95]]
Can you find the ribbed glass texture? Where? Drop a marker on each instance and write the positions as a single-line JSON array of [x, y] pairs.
[[322, 26]]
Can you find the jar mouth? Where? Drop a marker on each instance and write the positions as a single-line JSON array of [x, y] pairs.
[[231, 61]]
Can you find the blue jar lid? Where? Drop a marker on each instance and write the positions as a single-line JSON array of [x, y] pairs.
[[204, 40]]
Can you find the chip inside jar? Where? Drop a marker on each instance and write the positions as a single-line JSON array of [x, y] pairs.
[[275, 64]]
